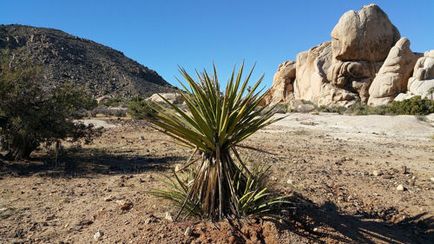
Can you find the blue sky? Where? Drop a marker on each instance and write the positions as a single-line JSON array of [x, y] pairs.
[[166, 33]]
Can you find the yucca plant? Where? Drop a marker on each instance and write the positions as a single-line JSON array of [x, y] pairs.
[[216, 122]]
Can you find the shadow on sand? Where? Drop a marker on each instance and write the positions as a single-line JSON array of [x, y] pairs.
[[326, 222], [86, 162]]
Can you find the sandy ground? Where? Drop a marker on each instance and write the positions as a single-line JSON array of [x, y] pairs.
[[342, 173]]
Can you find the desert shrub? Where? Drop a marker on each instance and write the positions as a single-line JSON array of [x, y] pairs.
[[115, 102], [413, 106], [221, 184], [32, 115], [139, 108], [332, 109]]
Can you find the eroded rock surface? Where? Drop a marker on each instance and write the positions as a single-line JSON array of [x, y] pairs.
[[393, 75], [282, 88]]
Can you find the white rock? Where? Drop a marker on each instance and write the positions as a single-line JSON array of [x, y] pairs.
[[97, 236], [400, 188], [432, 179], [178, 167], [168, 216], [188, 231], [377, 172]]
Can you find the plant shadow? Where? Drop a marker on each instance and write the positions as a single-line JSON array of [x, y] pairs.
[[327, 223], [88, 162]]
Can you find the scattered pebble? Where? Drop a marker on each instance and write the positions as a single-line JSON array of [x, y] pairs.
[[125, 205], [168, 216], [290, 182], [432, 179], [97, 236], [178, 167], [404, 170], [400, 188], [188, 231], [377, 173]]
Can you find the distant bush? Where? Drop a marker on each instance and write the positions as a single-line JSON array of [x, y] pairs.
[[139, 108], [115, 102], [332, 109], [32, 115], [413, 106]]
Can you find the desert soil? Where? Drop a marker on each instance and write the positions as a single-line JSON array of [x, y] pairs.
[[341, 173]]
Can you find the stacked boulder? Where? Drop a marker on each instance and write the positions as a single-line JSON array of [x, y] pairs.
[[366, 61], [422, 81]]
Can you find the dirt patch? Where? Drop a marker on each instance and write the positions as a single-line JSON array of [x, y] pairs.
[[328, 172]]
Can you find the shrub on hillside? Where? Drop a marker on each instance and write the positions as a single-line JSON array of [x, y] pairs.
[[139, 108], [31, 115]]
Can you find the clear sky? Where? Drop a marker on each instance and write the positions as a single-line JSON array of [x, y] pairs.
[[163, 34]]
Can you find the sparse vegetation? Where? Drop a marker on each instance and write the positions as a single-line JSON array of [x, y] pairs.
[[413, 106], [139, 108], [31, 115], [216, 123]]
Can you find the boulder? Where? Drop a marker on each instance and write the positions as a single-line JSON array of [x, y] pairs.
[[365, 35], [174, 98], [311, 70], [282, 88], [392, 77], [422, 81], [354, 76], [311, 82]]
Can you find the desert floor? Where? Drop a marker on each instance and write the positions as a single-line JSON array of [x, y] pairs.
[[341, 173]]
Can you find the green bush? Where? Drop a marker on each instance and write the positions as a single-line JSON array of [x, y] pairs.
[[332, 109], [115, 102], [32, 115], [139, 108], [413, 106]]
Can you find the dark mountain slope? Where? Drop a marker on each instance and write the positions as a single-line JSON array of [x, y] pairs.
[[67, 58]]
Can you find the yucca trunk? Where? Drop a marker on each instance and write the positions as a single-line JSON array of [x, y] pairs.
[[213, 189]]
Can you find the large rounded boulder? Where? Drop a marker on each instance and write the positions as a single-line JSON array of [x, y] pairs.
[[365, 35]]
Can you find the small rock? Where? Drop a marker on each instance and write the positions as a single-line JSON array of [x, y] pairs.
[[290, 182], [109, 199], [273, 178], [404, 170], [387, 177], [432, 179], [400, 188], [85, 222], [168, 217], [97, 236], [188, 231], [125, 205], [178, 167], [377, 173]]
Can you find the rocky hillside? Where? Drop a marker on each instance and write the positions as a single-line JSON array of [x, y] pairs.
[[67, 58], [365, 61]]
